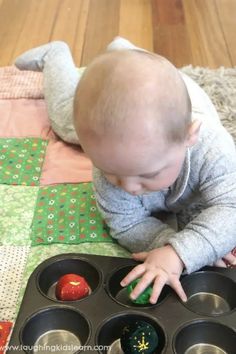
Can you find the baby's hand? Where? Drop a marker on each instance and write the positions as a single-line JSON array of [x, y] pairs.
[[160, 266], [229, 260]]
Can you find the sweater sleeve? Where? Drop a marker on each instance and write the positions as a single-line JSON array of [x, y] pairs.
[[130, 223], [212, 234]]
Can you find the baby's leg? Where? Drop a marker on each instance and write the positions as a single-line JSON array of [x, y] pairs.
[[60, 81]]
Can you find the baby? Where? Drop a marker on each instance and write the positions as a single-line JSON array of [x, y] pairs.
[[151, 153]]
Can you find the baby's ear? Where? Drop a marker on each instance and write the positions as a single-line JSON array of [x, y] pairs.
[[193, 132]]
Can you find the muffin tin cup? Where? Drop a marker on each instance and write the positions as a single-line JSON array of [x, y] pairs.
[[94, 324], [48, 277], [120, 294], [210, 294], [204, 337], [109, 332], [55, 327]]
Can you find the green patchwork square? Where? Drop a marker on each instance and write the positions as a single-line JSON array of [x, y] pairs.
[[17, 210], [67, 213], [21, 160]]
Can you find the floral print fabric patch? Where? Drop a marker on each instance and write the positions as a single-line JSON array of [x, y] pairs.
[[68, 213], [21, 160]]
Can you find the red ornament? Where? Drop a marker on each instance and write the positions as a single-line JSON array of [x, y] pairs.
[[71, 287]]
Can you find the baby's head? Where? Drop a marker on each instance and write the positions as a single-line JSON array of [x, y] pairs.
[[132, 114]]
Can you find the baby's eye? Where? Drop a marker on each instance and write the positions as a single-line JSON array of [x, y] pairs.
[[153, 175]]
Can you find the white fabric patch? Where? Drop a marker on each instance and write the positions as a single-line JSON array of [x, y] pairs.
[[12, 264]]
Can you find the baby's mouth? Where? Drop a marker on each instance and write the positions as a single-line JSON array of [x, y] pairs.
[[140, 193]]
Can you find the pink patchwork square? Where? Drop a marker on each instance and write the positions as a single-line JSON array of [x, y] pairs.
[[65, 163]]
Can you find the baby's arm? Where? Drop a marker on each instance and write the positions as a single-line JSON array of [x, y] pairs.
[[131, 224], [212, 234], [206, 238], [129, 221]]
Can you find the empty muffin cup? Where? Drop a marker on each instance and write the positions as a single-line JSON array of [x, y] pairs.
[[110, 331], [120, 294], [209, 293], [47, 279], [55, 329], [204, 337]]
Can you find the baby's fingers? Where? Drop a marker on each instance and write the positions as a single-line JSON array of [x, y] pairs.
[[135, 273], [143, 283], [230, 259], [176, 285], [158, 285]]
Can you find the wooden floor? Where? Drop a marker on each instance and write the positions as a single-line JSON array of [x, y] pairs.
[[198, 32]]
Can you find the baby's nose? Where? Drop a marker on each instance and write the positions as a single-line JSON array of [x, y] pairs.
[[129, 184]]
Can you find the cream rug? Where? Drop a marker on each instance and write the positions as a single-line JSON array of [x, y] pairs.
[[220, 85]]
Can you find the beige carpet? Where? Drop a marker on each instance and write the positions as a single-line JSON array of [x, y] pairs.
[[220, 85]]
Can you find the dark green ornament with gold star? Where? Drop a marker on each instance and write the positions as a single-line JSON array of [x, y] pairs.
[[139, 337], [144, 297]]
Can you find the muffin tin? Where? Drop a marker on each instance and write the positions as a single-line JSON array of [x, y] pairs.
[[205, 324]]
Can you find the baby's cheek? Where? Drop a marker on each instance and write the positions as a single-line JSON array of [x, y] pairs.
[[170, 177], [111, 179], [158, 184]]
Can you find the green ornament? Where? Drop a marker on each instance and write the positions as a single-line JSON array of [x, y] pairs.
[[144, 297], [139, 337]]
